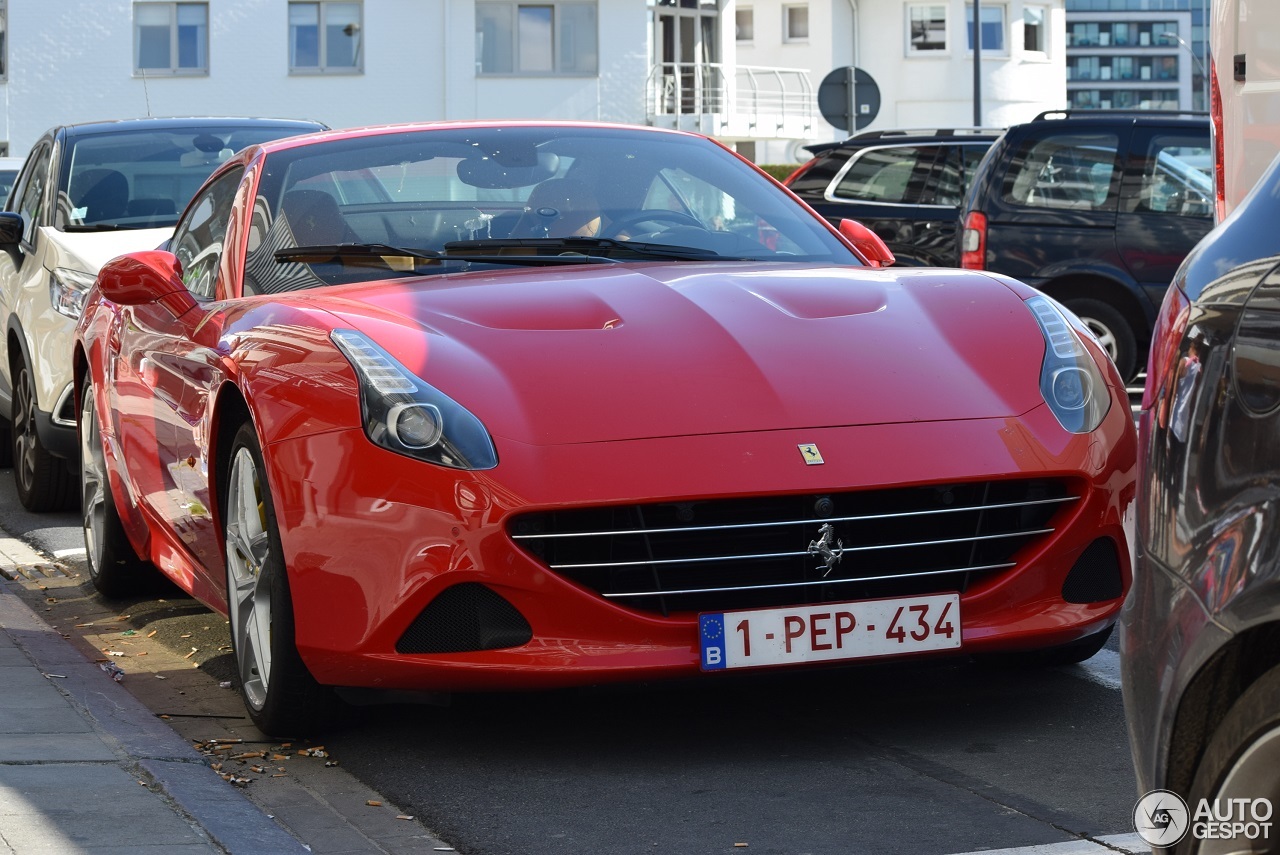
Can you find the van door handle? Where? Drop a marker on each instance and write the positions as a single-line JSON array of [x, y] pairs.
[[1238, 67]]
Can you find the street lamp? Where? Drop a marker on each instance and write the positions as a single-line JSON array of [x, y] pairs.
[[1204, 75]]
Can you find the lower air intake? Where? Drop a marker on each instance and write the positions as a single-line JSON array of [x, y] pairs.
[[1095, 577], [464, 618]]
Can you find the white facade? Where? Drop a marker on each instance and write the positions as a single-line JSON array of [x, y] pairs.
[[921, 88], [674, 63]]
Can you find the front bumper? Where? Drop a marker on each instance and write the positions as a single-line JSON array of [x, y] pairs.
[[372, 539]]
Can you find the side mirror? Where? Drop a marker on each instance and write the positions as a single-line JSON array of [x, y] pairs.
[[152, 276], [10, 229], [867, 243]]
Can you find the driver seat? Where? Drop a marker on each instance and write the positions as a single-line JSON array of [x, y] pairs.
[[558, 208]]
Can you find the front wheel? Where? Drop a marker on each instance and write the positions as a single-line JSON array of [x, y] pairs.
[[114, 565], [44, 481], [1239, 765], [282, 697], [1112, 331]]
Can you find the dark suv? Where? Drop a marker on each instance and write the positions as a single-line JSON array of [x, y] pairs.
[[1097, 209], [905, 185]]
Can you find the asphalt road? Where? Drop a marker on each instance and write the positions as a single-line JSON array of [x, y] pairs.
[[928, 759]]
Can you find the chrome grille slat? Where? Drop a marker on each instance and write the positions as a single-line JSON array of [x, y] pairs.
[[869, 548], [1004, 566], [730, 554], [860, 518]]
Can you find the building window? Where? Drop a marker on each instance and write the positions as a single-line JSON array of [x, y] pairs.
[[536, 38], [745, 23], [927, 28], [1035, 33], [992, 28], [171, 38], [795, 23], [325, 37]]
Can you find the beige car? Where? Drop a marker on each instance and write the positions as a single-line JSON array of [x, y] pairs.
[[86, 194]]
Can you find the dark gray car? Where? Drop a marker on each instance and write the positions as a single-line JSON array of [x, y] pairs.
[[1200, 631]]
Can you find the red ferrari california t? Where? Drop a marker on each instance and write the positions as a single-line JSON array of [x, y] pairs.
[[456, 407]]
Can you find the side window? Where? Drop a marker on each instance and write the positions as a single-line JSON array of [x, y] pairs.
[[30, 192], [1064, 171], [897, 174], [198, 239], [954, 173], [1174, 178]]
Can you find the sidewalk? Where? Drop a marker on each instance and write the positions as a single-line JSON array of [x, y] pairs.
[[86, 768]]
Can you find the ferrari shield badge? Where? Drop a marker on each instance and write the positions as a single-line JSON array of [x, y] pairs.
[[810, 453]]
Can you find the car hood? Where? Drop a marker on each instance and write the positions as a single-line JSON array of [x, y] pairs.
[[88, 251], [599, 353]]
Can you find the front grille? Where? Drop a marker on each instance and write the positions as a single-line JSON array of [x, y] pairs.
[[729, 554]]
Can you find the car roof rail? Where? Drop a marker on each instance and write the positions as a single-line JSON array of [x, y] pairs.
[[922, 132], [1082, 112]]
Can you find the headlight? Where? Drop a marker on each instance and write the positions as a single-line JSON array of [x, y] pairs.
[[404, 414], [68, 289], [1070, 381]]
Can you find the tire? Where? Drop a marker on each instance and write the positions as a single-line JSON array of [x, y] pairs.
[[1071, 653], [6, 443], [44, 481], [114, 566], [1240, 761], [282, 697], [1113, 332]]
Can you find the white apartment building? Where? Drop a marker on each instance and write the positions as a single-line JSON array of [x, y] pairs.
[[746, 71]]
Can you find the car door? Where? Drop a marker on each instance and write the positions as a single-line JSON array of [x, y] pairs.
[[169, 368], [1166, 203], [1054, 208], [30, 199]]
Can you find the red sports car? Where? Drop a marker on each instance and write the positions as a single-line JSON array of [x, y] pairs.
[[493, 405]]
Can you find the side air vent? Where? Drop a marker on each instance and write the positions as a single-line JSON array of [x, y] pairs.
[[464, 618]]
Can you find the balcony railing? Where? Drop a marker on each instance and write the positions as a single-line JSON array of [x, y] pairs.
[[732, 101]]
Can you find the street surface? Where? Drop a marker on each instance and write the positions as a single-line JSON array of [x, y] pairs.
[[928, 758]]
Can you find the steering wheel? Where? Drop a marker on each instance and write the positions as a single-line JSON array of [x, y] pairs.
[[675, 218]]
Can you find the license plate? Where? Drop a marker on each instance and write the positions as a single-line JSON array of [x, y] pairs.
[[829, 632]]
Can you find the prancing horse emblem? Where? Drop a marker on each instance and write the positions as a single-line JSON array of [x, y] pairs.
[[822, 548]]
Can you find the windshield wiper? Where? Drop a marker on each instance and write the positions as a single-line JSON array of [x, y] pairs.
[[585, 245], [325, 252], [99, 227]]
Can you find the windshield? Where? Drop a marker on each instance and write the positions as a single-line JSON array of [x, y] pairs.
[[616, 193], [143, 179]]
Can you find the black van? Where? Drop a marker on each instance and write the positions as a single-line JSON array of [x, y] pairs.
[[1096, 208], [904, 185]]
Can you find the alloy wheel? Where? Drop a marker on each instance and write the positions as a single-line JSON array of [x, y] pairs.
[[24, 432], [249, 594], [93, 484]]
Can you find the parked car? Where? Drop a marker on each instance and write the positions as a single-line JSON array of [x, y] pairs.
[[1097, 209], [1200, 666], [86, 193], [478, 406], [904, 185]]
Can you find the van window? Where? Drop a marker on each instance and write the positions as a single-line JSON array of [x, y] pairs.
[[1175, 178], [1065, 171], [897, 174]]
